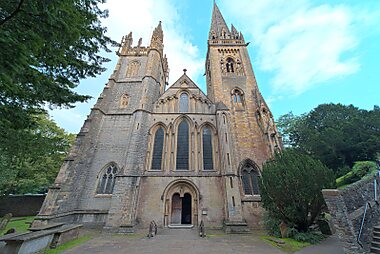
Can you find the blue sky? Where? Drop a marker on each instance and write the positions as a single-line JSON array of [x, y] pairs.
[[304, 52]]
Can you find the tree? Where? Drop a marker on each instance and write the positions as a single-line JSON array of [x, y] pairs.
[[46, 47], [291, 188], [335, 134], [30, 163]]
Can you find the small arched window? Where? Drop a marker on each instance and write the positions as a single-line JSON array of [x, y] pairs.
[[207, 149], [237, 96], [182, 162], [230, 65], [124, 101], [107, 181], [250, 178], [183, 103], [157, 149]]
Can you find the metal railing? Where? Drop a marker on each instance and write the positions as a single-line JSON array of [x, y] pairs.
[[202, 232], [368, 205], [152, 229]]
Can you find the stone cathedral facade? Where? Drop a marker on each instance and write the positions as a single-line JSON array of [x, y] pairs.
[[175, 155]]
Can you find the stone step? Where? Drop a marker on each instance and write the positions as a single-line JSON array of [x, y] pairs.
[[375, 244], [376, 238], [375, 250], [376, 233]]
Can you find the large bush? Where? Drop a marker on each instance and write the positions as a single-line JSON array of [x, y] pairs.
[[291, 188], [359, 170]]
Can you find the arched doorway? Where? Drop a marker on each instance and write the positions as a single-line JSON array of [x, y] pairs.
[[181, 204]]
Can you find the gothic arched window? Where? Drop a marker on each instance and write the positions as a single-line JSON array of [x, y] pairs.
[[183, 103], [124, 101], [250, 178], [207, 149], [158, 147], [230, 65], [182, 162], [107, 181], [237, 96]]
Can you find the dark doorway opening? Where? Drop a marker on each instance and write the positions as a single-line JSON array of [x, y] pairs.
[[186, 209]]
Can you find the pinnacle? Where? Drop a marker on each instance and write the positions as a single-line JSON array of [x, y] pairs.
[[218, 24]]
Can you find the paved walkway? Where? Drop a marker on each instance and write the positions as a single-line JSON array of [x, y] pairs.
[[180, 241]]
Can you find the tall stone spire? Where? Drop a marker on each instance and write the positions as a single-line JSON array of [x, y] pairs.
[[219, 28], [157, 38]]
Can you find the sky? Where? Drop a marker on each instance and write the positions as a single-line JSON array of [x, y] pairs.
[[303, 52]]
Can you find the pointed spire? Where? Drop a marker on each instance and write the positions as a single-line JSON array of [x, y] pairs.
[[219, 28], [157, 38]]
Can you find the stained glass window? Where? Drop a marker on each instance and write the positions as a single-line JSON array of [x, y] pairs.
[[184, 103], [107, 181], [157, 149], [207, 149], [183, 146]]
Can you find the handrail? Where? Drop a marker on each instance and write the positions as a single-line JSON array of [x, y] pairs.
[[202, 232], [368, 204], [152, 229]]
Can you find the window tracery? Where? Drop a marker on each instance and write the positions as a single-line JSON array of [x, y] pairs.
[[107, 181], [230, 65], [124, 100], [133, 69], [184, 103], [250, 179]]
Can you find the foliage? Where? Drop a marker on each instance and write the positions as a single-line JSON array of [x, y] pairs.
[[335, 134], [20, 224], [31, 158], [359, 170], [46, 47], [69, 245], [291, 188], [272, 224], [309, 237], [290, 245]]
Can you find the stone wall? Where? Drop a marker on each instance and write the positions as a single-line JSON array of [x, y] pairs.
[[347, 209], [21, 205]]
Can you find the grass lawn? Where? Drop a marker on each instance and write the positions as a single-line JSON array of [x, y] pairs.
[[19, 223], [290, 245], [69, 245]]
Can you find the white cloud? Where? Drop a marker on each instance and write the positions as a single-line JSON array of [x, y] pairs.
[[302, 45], [140, 17]]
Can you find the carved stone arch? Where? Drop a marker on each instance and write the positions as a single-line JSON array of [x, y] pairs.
[[180, 188], [248, 161], [178, 120], [208, 124], [155, 126], [179, 95]]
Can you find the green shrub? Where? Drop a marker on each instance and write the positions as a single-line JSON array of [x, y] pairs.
[[291, 188], [359, 170], [310, 237], [272, 225]]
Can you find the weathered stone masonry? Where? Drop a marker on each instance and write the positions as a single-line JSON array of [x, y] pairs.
[[175, 156]]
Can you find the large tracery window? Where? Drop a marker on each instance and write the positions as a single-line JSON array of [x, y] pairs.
[[207, 149], [157, 149], [250, 178], [184, 103], [107, 181], [182, 162]]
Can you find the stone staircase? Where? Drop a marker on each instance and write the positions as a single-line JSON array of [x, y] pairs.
[[375, 245]]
